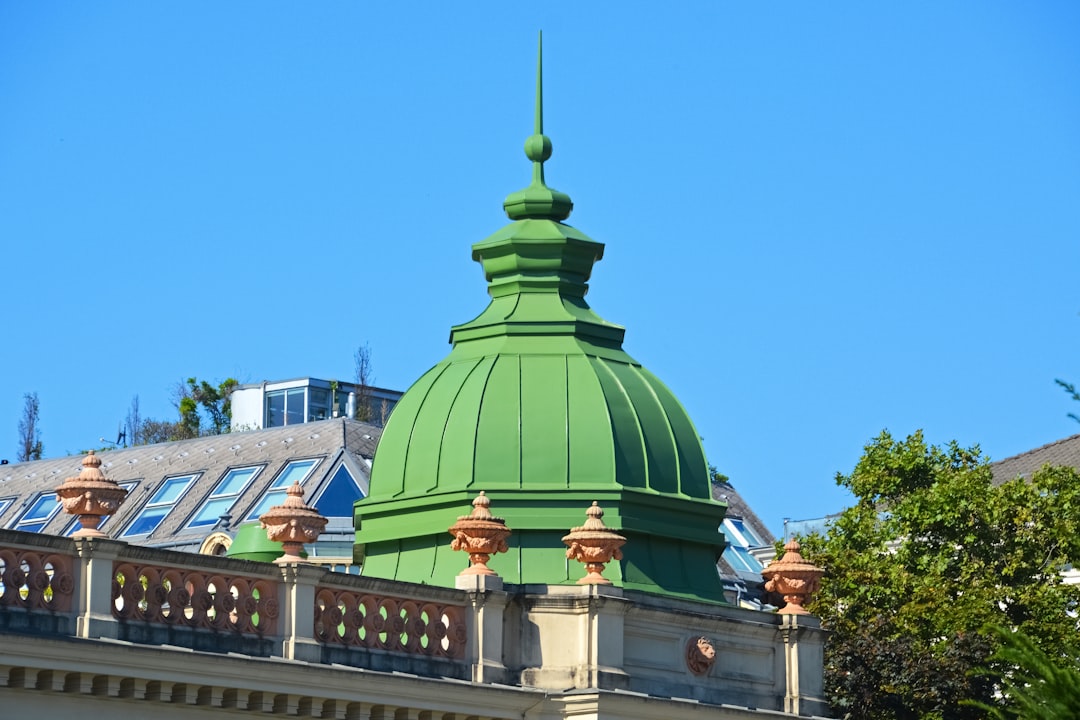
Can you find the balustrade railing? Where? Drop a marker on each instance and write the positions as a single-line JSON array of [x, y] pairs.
[[193, 598], [99, 588], [357, 619], [35, 579]]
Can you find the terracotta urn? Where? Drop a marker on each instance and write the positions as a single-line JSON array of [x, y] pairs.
[[480, 534], [794, 578], [595, 545], [292, 524], [91, 496]]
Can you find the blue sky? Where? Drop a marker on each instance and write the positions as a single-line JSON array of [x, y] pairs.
[[821, 220]]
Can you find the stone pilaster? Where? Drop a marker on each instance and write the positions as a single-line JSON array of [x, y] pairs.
[[94, 577]]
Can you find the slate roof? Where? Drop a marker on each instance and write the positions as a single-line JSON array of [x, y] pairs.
[[1064, 452], [330, 442], [741, 585]]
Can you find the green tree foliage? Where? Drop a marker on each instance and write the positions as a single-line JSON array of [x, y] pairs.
[[1070, 388], [1034, 686], [30, 447], [205, 409], [931, 553]]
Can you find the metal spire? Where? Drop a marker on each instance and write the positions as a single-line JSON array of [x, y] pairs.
[[538, 201]]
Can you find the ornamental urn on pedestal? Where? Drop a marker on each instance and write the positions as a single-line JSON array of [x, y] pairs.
[[794, 578], [480, 534], [595, 545], [292, 524], [91, 496]]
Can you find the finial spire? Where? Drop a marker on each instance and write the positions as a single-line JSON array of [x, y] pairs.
[[538, 128], [538, 200]]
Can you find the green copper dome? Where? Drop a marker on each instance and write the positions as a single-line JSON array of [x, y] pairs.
[[538, 405]]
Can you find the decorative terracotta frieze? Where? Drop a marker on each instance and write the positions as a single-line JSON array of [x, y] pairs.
[[794, 578], [91, 496], [595, 545], [292, 524], [480, 534]]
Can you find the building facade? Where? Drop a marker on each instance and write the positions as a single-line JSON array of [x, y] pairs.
[[539, 411]]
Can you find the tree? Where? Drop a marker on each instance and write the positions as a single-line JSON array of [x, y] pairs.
[[158, 431], [932, 552], [133, 423], [1034, 687], [198, 400], [1070, 388], [30, 447], [365, 377]]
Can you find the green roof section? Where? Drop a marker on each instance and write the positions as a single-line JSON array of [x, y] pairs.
[[251, 543], [539, 406]]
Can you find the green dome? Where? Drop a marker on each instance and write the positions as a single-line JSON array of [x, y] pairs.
[[539, 406]]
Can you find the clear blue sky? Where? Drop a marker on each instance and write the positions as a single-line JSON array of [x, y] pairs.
[[821, 219]]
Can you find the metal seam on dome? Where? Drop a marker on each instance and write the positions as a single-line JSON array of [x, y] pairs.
[[667, 423], [412, 428], [446, 420], [566, 425], [634, 415], [521, 409], [517, 301], [479, 413], [685, 451]]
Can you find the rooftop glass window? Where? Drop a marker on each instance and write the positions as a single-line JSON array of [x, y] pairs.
[[740, 559], [284, 407], [318, 404], [296, 471], [224, 496], [159, 505], [5, 503], [38, 513], [739, 533]]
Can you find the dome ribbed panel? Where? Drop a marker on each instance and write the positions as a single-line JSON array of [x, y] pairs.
[[421, 469], [694, 476], [658, 445], [498, 428], [545, 409], [591, 442], [631, 470], [394, 446], [457, 454]]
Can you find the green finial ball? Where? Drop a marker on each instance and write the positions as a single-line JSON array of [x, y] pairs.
[[538, 148]]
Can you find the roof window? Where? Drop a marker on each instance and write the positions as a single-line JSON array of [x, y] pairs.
[[296, 471], [38, 513], [160, 504], [224, 496]]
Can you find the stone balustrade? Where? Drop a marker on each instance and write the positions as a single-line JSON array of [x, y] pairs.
[[35, 579], [395, 624], [194, 598], [550, 638]]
